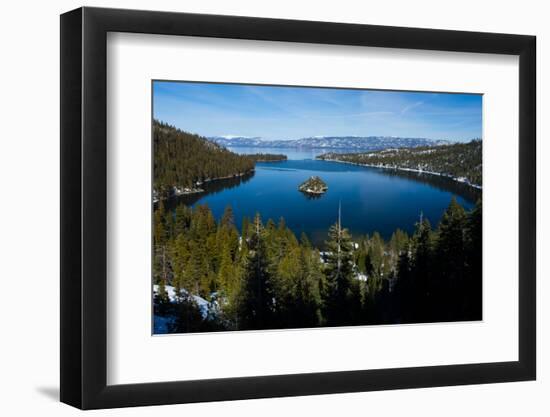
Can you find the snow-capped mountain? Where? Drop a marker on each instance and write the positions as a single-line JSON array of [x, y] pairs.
[[231, 140], [329, 142]]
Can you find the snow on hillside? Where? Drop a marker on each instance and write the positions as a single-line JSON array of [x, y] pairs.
[[373, 143], [204, 306]]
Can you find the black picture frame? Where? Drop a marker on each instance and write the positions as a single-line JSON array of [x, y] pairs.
[[84, 207]]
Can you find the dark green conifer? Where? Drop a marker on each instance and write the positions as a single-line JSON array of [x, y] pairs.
[[339, 273]]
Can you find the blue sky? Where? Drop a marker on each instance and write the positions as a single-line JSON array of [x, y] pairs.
[[296, 112]]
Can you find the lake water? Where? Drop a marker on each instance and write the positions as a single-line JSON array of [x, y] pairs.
[[372, 199]]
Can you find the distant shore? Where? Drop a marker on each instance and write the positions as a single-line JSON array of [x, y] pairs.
[[461, 180]]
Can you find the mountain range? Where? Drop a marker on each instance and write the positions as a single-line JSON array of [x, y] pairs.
[[364, 143]]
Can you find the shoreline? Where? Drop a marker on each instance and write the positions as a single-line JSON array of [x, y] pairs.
[[273, 160], [179, 191], [309, 191], [439, 174], [240, 174]]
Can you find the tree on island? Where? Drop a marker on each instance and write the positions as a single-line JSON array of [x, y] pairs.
[[313, 185]]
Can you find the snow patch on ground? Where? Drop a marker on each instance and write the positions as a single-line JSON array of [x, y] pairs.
[[361, 277], [204, 306]]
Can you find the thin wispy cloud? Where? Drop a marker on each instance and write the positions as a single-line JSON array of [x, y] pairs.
[[411, 106], [295, 112], [363, 114]]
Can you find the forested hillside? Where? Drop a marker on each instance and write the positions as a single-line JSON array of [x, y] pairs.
[[460, 161], [267, 157], [210, 276], [184, 160]]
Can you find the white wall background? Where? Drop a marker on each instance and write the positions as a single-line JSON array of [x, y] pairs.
[[29, 213]]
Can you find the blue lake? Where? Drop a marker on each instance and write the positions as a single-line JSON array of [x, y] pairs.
[[372, 199]]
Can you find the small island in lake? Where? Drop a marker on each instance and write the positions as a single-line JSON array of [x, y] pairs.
[[313, 185]]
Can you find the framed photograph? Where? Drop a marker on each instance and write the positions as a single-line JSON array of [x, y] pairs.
[[257, 208]]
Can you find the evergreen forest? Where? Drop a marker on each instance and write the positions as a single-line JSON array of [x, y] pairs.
[[213, 275], [458, 160], [223, 274]]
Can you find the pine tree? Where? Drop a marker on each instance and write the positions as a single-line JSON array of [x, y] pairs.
[[162, 295], [422, 256], [255, 310], [195, 277], [287, 273], [450, 251], [245, 229], [451, 234], [375, 263], [403, 288], [398, 243], [307, 304], [339, 273], [226, 274], [159, 228], [304, 241], [474, 248], [180, 258], [228, 219], [182, 219], [188, 316]]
